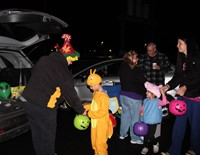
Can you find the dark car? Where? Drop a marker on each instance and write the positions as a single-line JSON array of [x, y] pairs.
[[22, 33]]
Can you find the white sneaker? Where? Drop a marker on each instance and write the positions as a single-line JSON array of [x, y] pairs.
[[123, 137], [145, 150], [156, 148], [136, 142], [165, 153], [190, 152]]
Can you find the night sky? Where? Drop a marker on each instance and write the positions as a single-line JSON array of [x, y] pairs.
[[89, 21], [93, 21]]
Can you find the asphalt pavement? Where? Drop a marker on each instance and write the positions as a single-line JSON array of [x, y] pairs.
[[71, 141]]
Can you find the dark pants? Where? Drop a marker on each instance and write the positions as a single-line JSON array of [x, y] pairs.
[[193, 116], [43, 124], [149, 139]]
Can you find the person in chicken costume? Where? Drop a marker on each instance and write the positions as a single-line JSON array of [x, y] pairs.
[[98, 111], [51, 82]]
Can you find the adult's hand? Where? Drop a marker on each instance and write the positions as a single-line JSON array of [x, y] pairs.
[[156, 66], [165, 88], [85, 113], [181, 90]]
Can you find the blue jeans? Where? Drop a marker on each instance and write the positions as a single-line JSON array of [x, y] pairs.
[[193, 115], [129, 116]]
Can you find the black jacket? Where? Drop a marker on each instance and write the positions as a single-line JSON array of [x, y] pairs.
[[132, 80], [187, 73], [51, 79]]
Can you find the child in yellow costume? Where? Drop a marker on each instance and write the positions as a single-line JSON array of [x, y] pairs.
[[98, 111]]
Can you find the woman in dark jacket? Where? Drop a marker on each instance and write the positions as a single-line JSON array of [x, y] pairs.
[[187, 76], [132, 93]]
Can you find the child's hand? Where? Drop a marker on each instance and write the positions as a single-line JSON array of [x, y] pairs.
[[165, 88], [119, 111], [86, 103], [162, 91], [86, 106]]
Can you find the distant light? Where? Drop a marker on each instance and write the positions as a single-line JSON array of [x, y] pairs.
[[92, 51]]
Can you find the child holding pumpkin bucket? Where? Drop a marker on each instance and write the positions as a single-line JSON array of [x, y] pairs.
[[151, 114], [98, 111]]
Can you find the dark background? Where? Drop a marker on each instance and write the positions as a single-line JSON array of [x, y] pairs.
[[121, 24]]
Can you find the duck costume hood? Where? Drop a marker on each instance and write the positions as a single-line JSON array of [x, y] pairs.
[[153, 88], [67, 50]]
